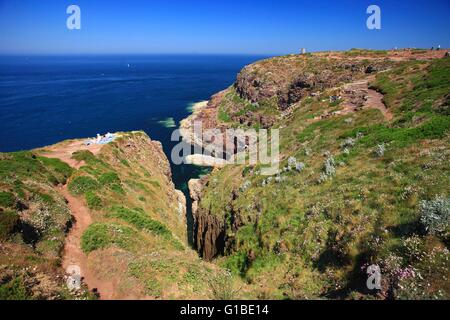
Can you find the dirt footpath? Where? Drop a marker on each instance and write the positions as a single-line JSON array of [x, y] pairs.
[[73, 255]]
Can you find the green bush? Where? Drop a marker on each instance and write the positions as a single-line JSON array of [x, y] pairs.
[[61, 170], [84, 155], [14, 290], [223, 115], [109, 178], [112, 181], [93, 201], [435, 215], [102, 235], [140, 220], [7, 199], [237, 263], [117, 188], [9, 221], [82, 184]]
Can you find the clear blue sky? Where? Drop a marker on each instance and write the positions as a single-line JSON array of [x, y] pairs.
[[217, 26]]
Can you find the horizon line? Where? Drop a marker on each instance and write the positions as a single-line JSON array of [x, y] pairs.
[[37, 54]]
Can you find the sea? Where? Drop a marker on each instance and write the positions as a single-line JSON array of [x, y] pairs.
[[47, 99]]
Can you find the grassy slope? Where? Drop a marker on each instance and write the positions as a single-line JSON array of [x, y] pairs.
[[33, 221], [304, 238], [137, 236]]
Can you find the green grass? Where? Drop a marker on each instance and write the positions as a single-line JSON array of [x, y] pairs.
[[83, 184], [93, 201], [237, 263], [7, 199], [60, 169], [139, 219], [109, 178], [15, 289], [435, 128], [223, 115], [112, 181], [331, 228], [408, 88], [26, 165], [9, 221], [84, 155], [103, 235]]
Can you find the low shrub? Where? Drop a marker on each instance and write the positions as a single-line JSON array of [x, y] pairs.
[[9, 221], [435, 128], [380, 150], [140, 220], [237, 263], [109, 178], [102, 235], [15, 289], [435, 215], [93, 201], [84, 155], [222, 286], [7, 199], [83, 184]]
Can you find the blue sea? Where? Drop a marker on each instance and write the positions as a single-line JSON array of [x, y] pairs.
[[44, 100]]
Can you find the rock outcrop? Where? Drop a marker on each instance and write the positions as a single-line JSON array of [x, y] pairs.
[[209, 230], [289, 79]]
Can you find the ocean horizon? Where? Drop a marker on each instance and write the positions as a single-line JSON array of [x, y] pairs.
[[47, 99]]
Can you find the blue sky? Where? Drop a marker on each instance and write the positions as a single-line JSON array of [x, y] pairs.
[[216, 26]]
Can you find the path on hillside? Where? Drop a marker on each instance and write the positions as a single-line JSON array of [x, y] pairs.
[[73, 255], [64, 151], [356, 96], [370, 98]]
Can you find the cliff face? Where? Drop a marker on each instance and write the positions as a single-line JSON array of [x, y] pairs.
[[364, 160], [209, 230], [114, 213], [209, 234], [289, 79]]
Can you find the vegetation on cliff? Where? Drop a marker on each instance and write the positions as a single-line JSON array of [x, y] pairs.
[[362, 182], [33, 222], [365, 193], [135, 245]]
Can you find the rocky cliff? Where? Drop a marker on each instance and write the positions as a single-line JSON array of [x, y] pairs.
[[209, 230], [111, 211], [364, 162]]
